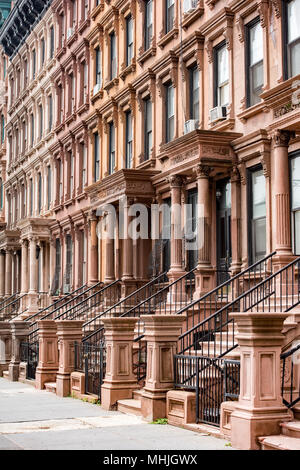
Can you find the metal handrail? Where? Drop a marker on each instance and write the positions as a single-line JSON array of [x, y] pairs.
[[14, 302], [8, 299], [55, 303]]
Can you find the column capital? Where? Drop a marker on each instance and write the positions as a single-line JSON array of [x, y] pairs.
[[282, 138], [176, 181], [202, 171]]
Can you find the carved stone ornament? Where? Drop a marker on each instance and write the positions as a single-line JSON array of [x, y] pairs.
[[202, 171], [176, 181], [282, 138]]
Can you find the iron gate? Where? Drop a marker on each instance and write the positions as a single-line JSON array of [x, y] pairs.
[[213, 379], [91, 359], [30, 354]]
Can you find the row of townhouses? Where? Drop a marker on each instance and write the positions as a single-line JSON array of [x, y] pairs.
[[121, 106]]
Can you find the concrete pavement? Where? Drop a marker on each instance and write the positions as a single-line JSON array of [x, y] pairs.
[[38, 420]]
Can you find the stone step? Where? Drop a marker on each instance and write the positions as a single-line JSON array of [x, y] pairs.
[[50, 387], [279, 442], [5, 374], [137, 394], [291, 429], [296, 411], [130, 406]]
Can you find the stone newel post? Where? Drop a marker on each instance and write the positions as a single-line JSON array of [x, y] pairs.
[[48, 354], [68, 331], [161, 335], [259, 410], [19, 331], [5, 346], [120, 381]]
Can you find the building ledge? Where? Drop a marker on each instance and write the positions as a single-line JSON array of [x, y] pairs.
[[166, 38], [252, 111]]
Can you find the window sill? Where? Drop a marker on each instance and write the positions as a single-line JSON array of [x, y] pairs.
[[60, 52], [59, 127], [129, 69], [70, 117], [72, 38], [97, 96], [144, 164], [69, 202], [111, 84], [189, 18], [84, 107], [83, 25], [166, 38], [97, 10], [81, 196], [252, 111], [151, 52], [223, 124]]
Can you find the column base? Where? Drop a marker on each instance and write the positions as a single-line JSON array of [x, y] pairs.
[[112, 392], [63, 385], [205, 281], [14, 371], [154, 404], [128, 286], [42, 377], [248, 425]]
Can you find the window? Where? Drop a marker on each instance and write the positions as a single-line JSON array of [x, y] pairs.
[[148, 128], [194, 93], [170, 117], [56, 281], [1, 194], [170, 14], [41, 120], [221, 76], [129, 40], [295, 202], [86, 9], [255, 62], [84, 164], [112, 149], [128, 140], [74, 14], [257, 215], [85, 82], [148, 24], [52, 45], [25, 72], [292, 38], [98, 67], [33, 64], [113, 56], [73, 91], [62, 30], [2, 129], [49, 187], [71, 175], [31, 197], [50, 111], [84, 256], [39, 192], [97, 157], [42, 51], [69, 264], [32, 129], [61, 175]]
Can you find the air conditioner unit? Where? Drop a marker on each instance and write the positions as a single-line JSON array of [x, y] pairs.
[[70, 32], [97, 88], [218, 113], [190, 126], [189, 6]]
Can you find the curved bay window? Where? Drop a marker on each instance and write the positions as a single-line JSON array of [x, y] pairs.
[[295, 202]]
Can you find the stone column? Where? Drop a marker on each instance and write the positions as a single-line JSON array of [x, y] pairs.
[[32, 295], [259, 410], [205, 273], [176, 270], [109, 260], [93, 250], [128, 281], [120, 381], [24, 274], [19, 332], [5, 346], [282, 196], [48, 354], [2, 274], [68, 331], [161, 335], [8, 273]]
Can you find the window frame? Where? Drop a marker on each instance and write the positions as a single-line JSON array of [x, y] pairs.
[[286, 46], [249, 67], [216, 51]]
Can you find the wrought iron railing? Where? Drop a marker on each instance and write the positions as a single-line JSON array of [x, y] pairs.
[[80, 309], [215, 336], [290, 385], [11, 309], [140, 359], [121, 308], [8, 300]]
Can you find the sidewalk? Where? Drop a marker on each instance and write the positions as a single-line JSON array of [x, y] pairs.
[[38, 420]]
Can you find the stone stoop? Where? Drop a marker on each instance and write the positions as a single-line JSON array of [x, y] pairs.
[[5, 374], [288, 440], [131, 406], [50, 387]]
